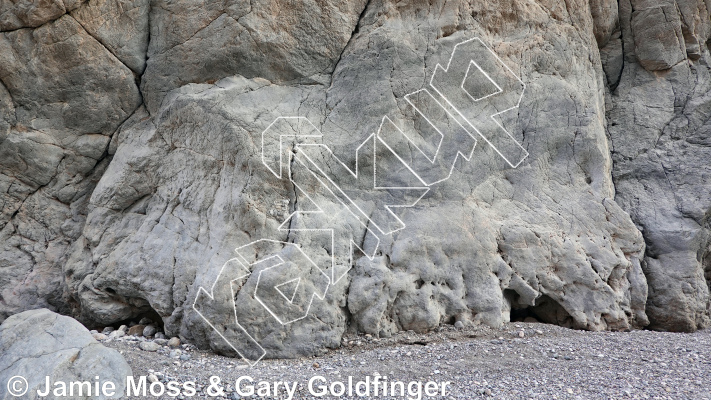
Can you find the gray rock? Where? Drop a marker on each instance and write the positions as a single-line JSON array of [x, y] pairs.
[[612, 58], [118, 204], [149, 330], [205, 41], [658, 39], [659, 131], [117, 334], [68, 95], [149, 346], [81, 73], [581, 267], [162, 342], [39, 343], [121, 26], [605, 20]]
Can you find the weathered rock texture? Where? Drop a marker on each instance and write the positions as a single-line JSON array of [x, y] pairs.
[[38, 344], [130, 162], [63, 96], [661, 138]]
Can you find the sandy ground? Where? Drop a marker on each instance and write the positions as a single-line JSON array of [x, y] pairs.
[[548, 362]]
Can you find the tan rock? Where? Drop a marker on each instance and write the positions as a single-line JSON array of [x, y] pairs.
[[28, 14], [174, 343], [136, 330]]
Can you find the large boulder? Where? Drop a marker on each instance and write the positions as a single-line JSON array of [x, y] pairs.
[[38, 344], [187, 186]]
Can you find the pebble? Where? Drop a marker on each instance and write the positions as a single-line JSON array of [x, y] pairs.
[[123, 328], [149, 330], [521, 334], [145, 321], [175, 353], [174, 342], [316, 365], [162, 342], [152, 378], [108, 330], [99, 337], [149, 346], [160, 335], [117, 334], [678, 367], [459, 325]]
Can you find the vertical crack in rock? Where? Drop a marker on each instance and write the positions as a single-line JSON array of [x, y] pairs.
[[355, 31], [295, 191]]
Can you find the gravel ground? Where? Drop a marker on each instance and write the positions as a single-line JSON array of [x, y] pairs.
[[545, 362]]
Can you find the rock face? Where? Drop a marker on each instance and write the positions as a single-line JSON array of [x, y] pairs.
[[121, 26], [39, 343], [661, 139], [278, 40], [120, 201], [63, 96]]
